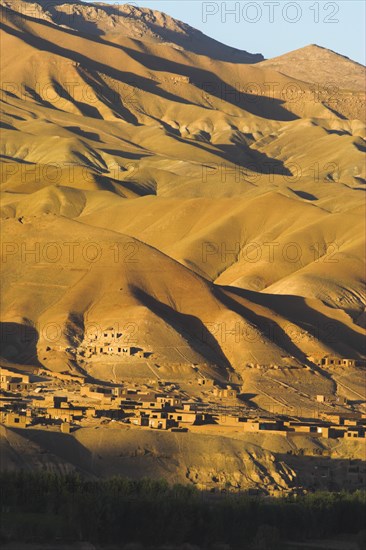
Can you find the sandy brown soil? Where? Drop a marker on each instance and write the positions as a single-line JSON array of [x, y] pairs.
[[220, 232]]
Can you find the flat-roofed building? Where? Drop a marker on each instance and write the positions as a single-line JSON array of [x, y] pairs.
[[13, 419]]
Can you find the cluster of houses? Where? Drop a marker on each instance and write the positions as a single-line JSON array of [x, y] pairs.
[[109, 342], [164, 411], [334, 428], [164, 416], [14, 382]]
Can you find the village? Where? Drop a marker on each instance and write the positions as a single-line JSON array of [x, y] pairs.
[[67, 402]]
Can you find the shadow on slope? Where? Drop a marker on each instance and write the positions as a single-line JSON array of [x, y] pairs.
[[258, 105], [188, 326], [19, 343], [208, 82], [330, 332], [192, 41], [271, 330], [42, 44], [62, 446]]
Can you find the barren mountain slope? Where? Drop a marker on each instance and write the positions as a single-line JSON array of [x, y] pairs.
[[60, 289], [132, 21], [320, 66], [232, 196]]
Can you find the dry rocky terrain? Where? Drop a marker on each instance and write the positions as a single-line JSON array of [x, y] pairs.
[[200, 201]]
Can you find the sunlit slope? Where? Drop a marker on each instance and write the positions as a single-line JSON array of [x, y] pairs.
[[336, 81], [130, 21], [296, 248], [105, 278], [58, 288], [170, 117], [320, 66], [241, 191]]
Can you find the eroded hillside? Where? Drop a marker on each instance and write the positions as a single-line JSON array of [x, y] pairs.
[[182, 189]]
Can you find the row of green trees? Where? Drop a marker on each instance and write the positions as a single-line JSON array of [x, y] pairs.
[[49, 507]]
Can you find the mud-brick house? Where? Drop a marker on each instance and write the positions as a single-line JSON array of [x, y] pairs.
[[161, 423], [333, 361], [302, 427], [331, 432], [168, 402], [119, 391], [187, 417], [355, 432], [99, 393], [110, 349], [337, 431], [230, 420], [324, 431], [154, 419], [271, 426], [175, 417], [140, 420], [225, 393], [111, 343], [67, 415], [127, 394], [16, 384], [331, 399], [5, 373], [12, 381], [108, 342], [147, 399], [341, 419], [13, 419], [102, 411]]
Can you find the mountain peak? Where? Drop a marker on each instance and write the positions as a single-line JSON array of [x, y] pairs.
[[322, 50], [320, 65]]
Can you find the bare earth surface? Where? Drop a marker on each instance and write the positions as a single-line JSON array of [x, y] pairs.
[[148, 185]]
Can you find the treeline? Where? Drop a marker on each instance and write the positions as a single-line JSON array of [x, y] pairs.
[[47, 507]]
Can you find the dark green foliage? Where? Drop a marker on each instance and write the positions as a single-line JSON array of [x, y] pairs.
[[48, 507]]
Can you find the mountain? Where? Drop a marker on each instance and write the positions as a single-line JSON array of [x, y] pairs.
[[320, 66], [154, 178], [125, 20]]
